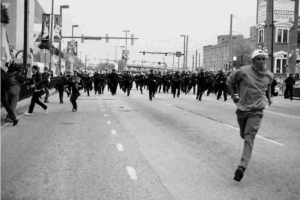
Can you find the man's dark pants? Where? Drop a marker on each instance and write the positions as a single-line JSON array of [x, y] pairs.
[[176, 87], [222, 88], [200, 91], [46, 93], [288, 91], [73, 98], [6, 106], [249, 123], [36, 100], [61, 94]]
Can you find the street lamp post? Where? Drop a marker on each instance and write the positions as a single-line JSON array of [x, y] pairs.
[[126, 44], [184, 55], [72, 39], [61, 7], [234, 60], [86, 60]]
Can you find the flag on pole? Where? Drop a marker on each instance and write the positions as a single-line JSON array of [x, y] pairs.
[[57, 29], [45, 27]]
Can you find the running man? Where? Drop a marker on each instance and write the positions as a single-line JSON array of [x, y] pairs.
[[253, 83]]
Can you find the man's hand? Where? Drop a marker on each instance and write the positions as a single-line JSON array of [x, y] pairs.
[[270, 101], [235, 99]]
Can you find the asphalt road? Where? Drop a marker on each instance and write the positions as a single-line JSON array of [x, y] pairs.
[[119, 147]]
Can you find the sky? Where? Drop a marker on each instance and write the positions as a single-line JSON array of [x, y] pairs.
[[157, 23]]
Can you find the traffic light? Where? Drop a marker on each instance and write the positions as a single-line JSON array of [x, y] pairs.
[[132, 40], [159, 63], [107, 38], [178, 54], [143, 52], [166, 54], [82, 39]]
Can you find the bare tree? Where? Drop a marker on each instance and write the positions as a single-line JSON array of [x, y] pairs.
[[242, 50]]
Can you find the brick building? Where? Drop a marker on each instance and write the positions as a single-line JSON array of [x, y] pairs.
[[285, 33], [216, 57]]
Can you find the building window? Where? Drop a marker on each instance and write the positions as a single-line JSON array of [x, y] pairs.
[[278, 63], [280, 66], [282, 35], [261, 36], [298, 37]]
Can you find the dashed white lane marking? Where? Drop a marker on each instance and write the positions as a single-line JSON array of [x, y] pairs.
[[131, 172], [103, 110], [113, 132], [108, 122], [120, 147], [105, 115]]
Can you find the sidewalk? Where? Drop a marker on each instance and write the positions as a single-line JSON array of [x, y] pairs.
[[23, 105]]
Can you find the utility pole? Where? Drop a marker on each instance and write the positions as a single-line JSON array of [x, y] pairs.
[[186, 51], [50, 48], [173, 61], [193, 64], [25, 33], [85, 63], [199, 59], [126, 46], [230, 44], [116, 54], [184, 56], [178, 63], [272, 38], [196, 59]]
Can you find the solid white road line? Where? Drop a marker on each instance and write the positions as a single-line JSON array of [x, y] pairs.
[[113, 132], [105, 115], [120, 147], [256, 135], [108, 122], [267, 111], [131, 172]]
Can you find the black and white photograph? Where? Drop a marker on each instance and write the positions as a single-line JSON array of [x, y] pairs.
[[150, 100]]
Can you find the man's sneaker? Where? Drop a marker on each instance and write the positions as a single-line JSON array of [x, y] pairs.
[[28, 114], [15, 122], [74, 110], [47, 110], [46, 102], [239, 173]]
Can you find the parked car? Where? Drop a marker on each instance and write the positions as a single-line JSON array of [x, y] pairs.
[[296, 89]]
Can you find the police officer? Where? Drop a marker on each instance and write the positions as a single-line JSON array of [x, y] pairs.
[[176, 84], [113, 79], [151, 84], [221, 80], [201, 80]]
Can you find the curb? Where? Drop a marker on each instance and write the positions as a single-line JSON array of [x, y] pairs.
[[23, 105]]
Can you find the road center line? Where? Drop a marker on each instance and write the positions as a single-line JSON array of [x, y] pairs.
[[120, 147], [131, 172], [103, 110], [105, 115], [108, 122], [113, 132]]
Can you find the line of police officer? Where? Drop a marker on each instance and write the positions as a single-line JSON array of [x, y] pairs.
[[155, 81]]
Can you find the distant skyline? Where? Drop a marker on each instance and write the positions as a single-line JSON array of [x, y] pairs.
[[157, 23]]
